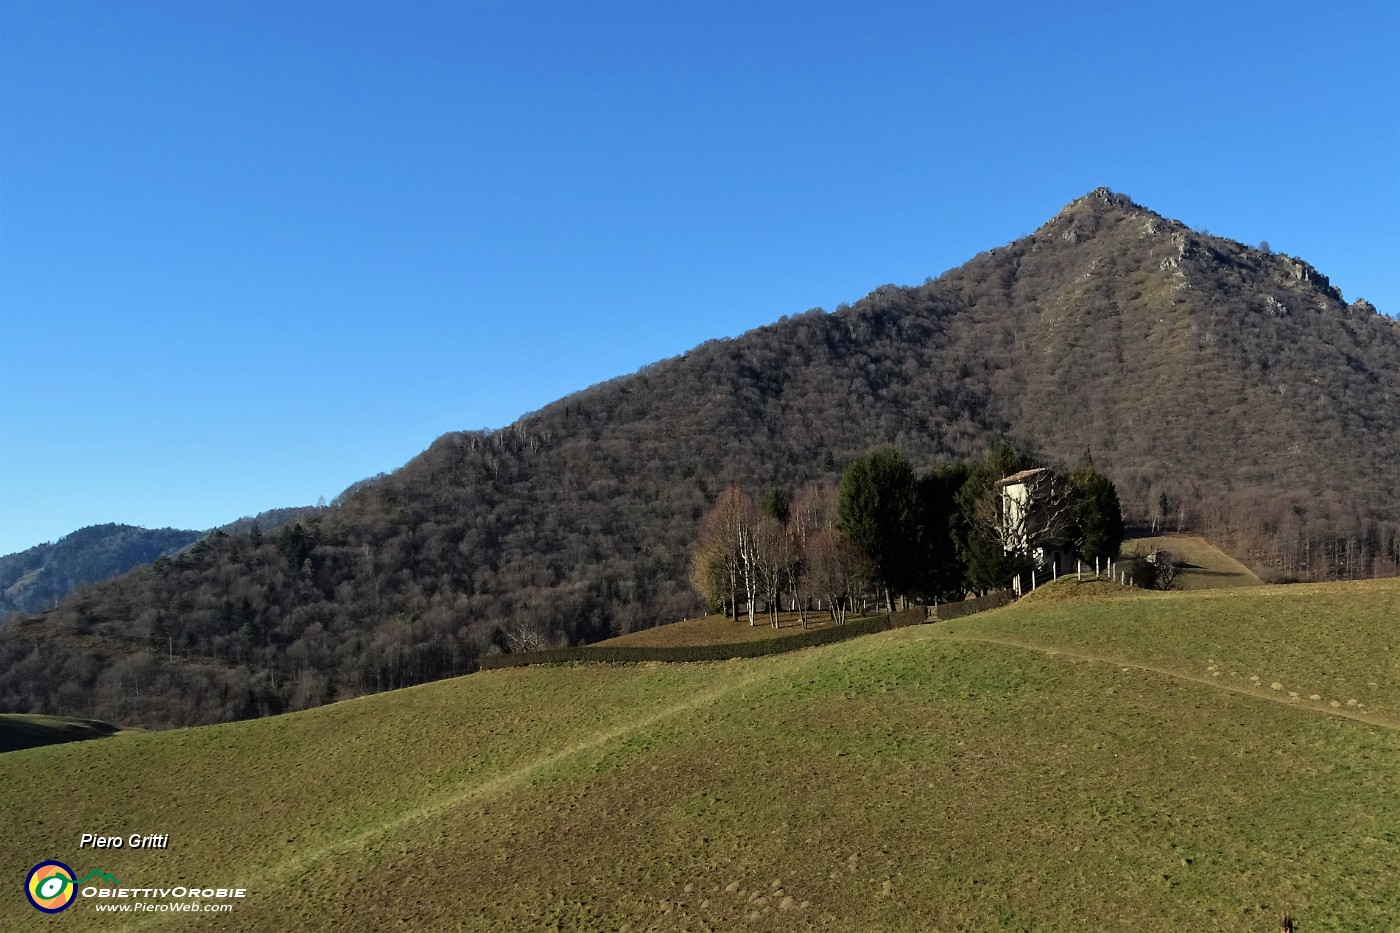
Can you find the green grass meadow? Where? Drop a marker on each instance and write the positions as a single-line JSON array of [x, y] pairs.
[[1088, 759]]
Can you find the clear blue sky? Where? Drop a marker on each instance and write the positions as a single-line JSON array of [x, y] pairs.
[[251, 252]]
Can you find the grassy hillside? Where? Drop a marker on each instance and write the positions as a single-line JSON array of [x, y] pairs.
[[1336, 641], [1207, 567], [1086, 759]]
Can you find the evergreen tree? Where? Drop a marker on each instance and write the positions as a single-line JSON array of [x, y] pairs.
[[1007, 459], [775, 505], [296, 545], [942, 570], [876, 507], [989, 566], [1100, 516]]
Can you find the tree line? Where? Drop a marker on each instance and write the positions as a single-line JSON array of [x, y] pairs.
[[889, 531]]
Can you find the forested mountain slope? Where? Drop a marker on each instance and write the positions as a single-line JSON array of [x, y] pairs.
[[1236, 382], [36, 578]]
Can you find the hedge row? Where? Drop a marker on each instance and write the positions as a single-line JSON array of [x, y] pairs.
[[966, 607], [914, 615], [748, 649]]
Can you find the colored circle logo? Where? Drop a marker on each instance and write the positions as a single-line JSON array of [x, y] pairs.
[[50, 887]]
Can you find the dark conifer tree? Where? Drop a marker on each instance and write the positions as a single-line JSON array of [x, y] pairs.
[[776, 505], [876, 507], [942, 573], [1099, 522]]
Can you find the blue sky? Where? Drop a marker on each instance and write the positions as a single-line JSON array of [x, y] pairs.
[[252, 252]]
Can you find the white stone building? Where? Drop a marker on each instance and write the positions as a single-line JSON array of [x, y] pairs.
[[1035, 513]]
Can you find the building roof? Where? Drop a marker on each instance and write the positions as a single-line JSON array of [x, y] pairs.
[[1025, 476]]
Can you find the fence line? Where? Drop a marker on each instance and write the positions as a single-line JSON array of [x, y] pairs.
[[748, 649], [966, 607], [914, 615]]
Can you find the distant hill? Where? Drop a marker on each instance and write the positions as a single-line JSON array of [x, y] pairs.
[[38, 578], [1234, 386]]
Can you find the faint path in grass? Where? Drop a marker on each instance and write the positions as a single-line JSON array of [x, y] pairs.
[[1369, 718], [266, 880]]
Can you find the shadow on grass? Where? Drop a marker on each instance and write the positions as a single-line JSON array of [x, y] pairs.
[[19, 731]]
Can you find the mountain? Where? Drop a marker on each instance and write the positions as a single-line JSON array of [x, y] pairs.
[[1235, 387], [39, 577]]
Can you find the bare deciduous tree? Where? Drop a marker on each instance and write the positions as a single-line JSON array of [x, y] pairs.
[[837, 569], [1165, 568], [1045, 516], [525, 635], [717, 567], [813, 510], [750, 560]]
